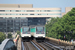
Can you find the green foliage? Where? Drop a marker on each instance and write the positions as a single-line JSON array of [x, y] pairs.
[[9, 35], [2, 36], [18, 32], [58, 27]]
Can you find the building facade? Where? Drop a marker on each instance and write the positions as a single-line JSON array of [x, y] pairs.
[[14, 16], [67, 9]]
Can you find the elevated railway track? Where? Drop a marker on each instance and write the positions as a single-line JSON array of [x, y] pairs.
[[46, 45], [34, 45]]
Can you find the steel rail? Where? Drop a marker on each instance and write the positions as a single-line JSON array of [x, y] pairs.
[[38, 45]]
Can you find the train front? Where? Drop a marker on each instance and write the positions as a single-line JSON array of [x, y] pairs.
[[40, 33], [25, 33]]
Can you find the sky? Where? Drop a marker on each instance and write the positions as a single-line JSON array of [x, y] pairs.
[[43, 3]]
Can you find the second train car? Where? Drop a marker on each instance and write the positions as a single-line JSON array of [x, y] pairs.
[[38, 32]]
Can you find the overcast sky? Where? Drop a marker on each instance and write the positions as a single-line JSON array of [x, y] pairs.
[[43, 3]]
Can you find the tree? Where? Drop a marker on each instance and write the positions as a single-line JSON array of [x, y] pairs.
[[60, 27], [9, 35], [18, 32], [2, 36]]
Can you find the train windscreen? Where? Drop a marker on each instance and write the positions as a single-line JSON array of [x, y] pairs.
[[26, 30], [40, 30]]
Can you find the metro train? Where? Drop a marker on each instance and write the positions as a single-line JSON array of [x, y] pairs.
[[25, 33], [38, 32]]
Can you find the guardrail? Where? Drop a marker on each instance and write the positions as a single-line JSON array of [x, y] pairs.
[[16, 40], [60, 42]]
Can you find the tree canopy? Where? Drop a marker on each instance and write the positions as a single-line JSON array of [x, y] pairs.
[[62, 27], [9, 35], [18, 32], [2, 36]]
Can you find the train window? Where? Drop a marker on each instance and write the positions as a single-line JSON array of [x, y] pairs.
[[25, 29], [40, 29]]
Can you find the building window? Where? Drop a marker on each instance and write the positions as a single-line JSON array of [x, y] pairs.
[[9, 21], [17, 24], [23, 17], [2, 10], [10, 17], [37, 10], [12, 11], [24, 23], [18, 11], [11, 28], [25, 20], [24, 14], [1, 17], [31, 14], [55, 14], [7, 14], [30, 10], [42, 10], [21, 20], [22, 10], [39, 14], [13, 17], [30, 21], [17, 21], [2, 14], [7, 10], [0, 28], [16, 27], [55, 10], [18, 14], [48, 10], [43, 14], [38, 20], [13, 14]]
